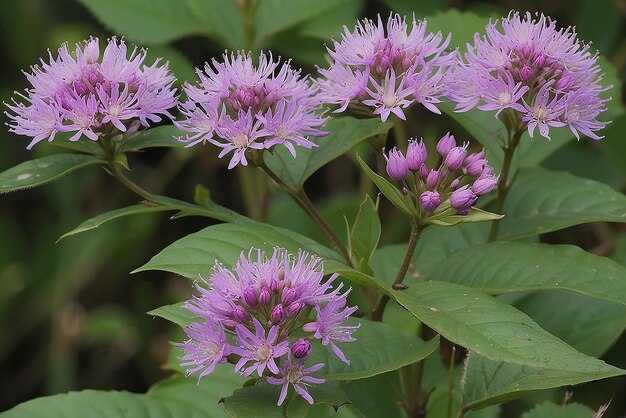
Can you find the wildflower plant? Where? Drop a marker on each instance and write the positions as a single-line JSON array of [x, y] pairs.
[[289, 311]]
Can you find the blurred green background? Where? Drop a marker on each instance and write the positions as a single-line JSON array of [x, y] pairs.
[[71, 314]]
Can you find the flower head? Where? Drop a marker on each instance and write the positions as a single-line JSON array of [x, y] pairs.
[[239, 106], [535, 72], [262, 303], [88, 93], [381, 69]]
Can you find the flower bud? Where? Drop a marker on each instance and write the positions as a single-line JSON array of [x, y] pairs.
[[265, 298], [432, 179], [539, 60], [486, 171], [288, 296], [445, 144], [310, 327], [430, 201], [475, 163], [301, 348], [484, 185], [278, 314], [241, 314], [416, 154], [463, 198], [455, 183], [454, 159], [250, 296], [424, 171], [526, 72], [274, 286], [397, 167], [294, 309]]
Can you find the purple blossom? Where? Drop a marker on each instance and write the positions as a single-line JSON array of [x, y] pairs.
[[329, 326], [463, 198], [293, 372], [430, 201], [416, 154], [445, 144], [535, 72], [397, 167], [239, 106], [381, 69], [484, 185], [262, 351], [205, 348], [301, 348], [455, 157], [88, 94]]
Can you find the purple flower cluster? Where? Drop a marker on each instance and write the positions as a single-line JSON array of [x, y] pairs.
[[538, 75], [250, 313], [386, 71], [239, 106], [90, 93], [458, 181]]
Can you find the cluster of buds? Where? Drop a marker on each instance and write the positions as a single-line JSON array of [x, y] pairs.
[[459, 180], [249, 316]]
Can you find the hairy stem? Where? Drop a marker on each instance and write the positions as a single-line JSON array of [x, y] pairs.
[[416, 231], [503, 182], [252, 192]]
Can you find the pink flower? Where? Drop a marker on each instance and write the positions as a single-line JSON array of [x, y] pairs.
[[262, 351], [292, 372]]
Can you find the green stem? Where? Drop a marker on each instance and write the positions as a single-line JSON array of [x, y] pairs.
[[503, 182], [416, 231], [399, 133], [305, 203], [115, 170], [451, 381], [252, 192]]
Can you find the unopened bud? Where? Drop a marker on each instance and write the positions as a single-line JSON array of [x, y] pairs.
[[454, 159], [397, 167], [445, 144], [301, 348], [432, 179], [463, 198], [416, 154], [265, 298], [278, 314], [430, 201], [484, 185], [250, 296]]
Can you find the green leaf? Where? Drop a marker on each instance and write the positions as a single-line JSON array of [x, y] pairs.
[[378, 348], [291, 12], [541, 201], [493, 329], [175, 313], [548, 409], [260, 400], [329, 24], [345, 133], [196, 253], [161, 136], [146, 21], [501, 267], [221, 20], [199, 399], [475, 215], [590, 326], [490, 382], [178, 63], [365, 231], [394, 195], [34, 173], [463, 25], [84, 144], [96, 221]]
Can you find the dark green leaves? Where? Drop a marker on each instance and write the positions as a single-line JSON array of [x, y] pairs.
[[379, 348], [345, 133], [502, 267], [541, 201], [42, 170], [489, 382], [365, 231], [492, 329], [291, 12]]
